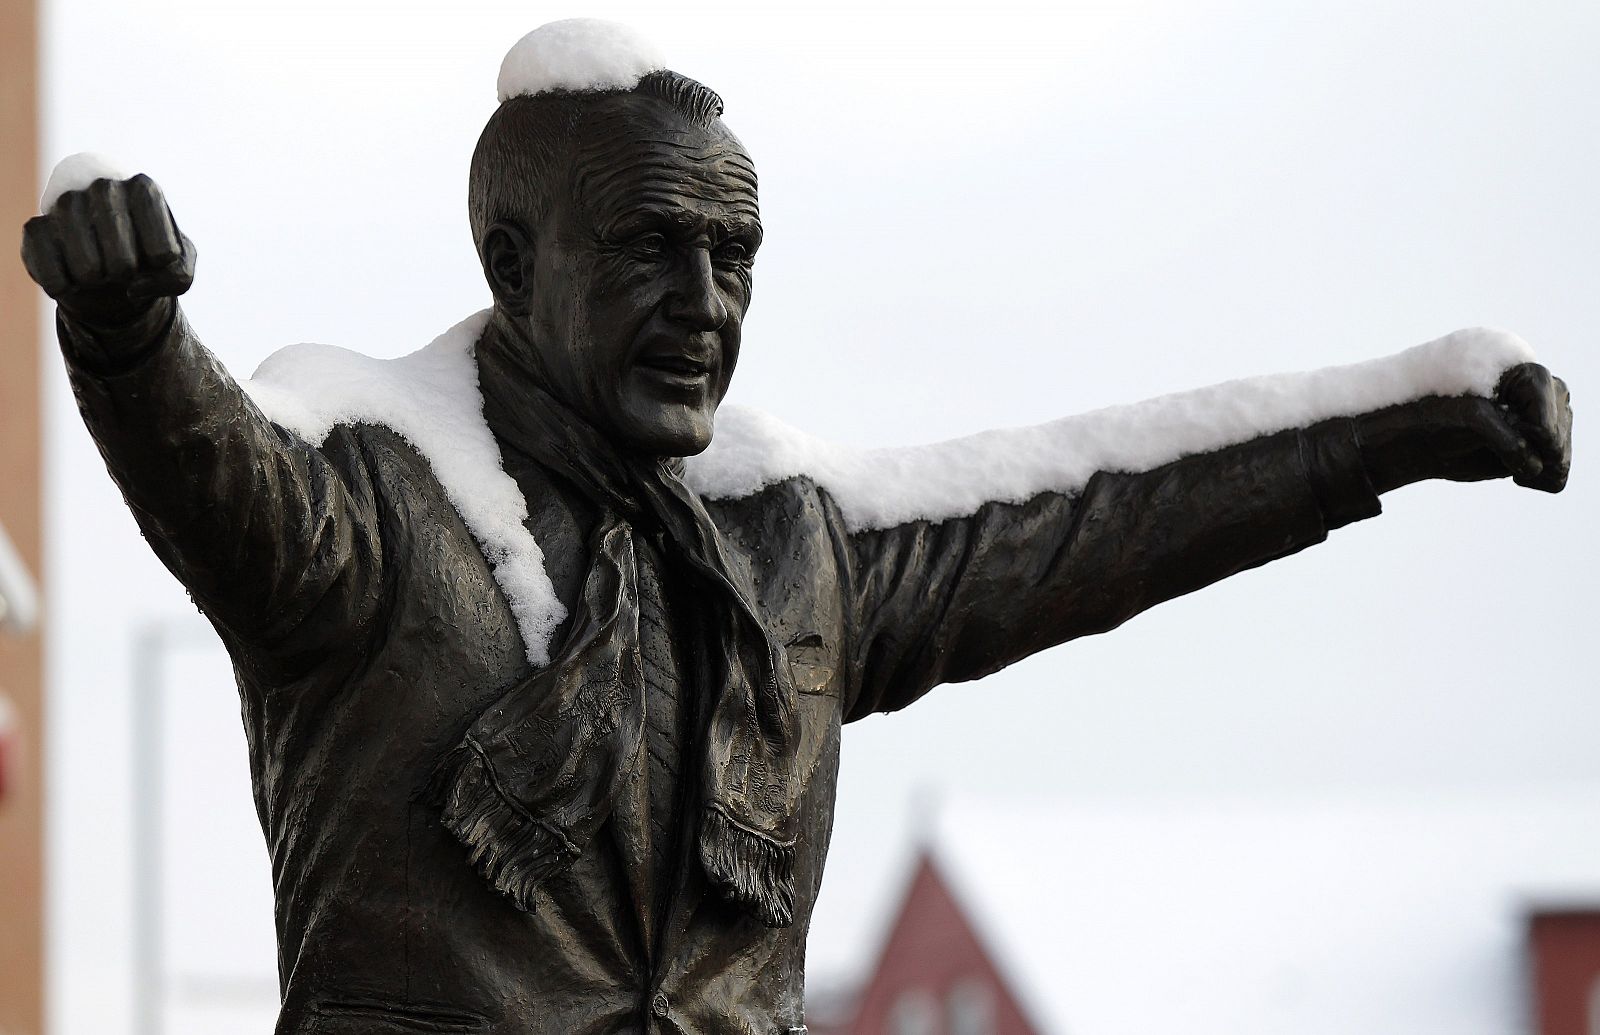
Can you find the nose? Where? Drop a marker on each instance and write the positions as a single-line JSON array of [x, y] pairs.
[[696, 300]]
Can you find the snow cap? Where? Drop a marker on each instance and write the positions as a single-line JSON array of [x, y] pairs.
[[76, 172], [577, 55]]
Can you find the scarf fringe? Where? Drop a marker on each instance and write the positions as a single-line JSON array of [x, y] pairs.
[[513, 850], [752, 869]]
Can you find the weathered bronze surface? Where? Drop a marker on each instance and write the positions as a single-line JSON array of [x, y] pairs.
[[632, 837]]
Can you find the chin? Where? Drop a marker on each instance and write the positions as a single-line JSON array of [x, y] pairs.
[[670, 431]]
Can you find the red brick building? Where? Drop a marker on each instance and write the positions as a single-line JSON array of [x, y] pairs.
[[1405, 916], [1564, 970], [934, 975], [22, 810]]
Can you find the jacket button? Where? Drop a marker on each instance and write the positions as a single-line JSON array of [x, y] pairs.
[[660, 1005]]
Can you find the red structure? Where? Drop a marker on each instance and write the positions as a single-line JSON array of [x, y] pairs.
[[934, 976], [1222, 921], [22, 518], [1564, 958]]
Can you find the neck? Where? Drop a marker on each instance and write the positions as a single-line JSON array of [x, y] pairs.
[[508, 348], [520, 403], [512, 380]]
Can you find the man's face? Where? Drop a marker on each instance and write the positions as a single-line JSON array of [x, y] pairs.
[[641, 278]]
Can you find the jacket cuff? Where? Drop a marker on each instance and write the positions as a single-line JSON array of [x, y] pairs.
[[1331, 453], [108, 351]]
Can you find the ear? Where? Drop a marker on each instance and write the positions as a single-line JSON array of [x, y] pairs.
[[507, 256]]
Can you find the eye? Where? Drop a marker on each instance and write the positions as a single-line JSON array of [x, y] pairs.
[[648, 246], [733, 254]]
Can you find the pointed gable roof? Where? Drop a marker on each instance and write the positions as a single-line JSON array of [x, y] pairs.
[[934, 972], [1258, 917]]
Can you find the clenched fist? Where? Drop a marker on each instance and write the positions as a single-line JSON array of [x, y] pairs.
[[1525, 432], [109, 253]]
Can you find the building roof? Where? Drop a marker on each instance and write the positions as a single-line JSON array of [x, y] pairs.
[[1395, 917]]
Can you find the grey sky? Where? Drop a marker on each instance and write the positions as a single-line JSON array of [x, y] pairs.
[[1048, 211]]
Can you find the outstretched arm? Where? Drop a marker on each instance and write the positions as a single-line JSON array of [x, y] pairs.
[[264, 530], [954, 599]]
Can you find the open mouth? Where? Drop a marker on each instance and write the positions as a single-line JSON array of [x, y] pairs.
[[682, 368]]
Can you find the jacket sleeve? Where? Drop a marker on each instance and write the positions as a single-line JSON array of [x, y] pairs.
[[277, 542], [947, 601]]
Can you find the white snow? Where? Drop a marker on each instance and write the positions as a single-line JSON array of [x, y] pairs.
[[430, 398], [577, 55], [1257, 917], [76, 172], [879, 488]]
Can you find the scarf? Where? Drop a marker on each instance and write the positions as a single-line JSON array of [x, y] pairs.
[[536, 775]]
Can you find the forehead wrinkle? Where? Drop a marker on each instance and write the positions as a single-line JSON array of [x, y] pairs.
[[714, 150], [744, 173], [598, 166], [622, 157], [601, 177], [669, 198], [605, 186], [616, 134], [669, 208]]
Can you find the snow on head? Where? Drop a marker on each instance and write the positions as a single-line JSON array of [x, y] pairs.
[[76, 172], [430, 398], [879, 488], [577, 55]]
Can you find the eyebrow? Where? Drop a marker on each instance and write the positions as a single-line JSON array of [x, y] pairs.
[[684, 220]]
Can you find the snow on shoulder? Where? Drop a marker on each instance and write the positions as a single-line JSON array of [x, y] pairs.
[[77, 172], [430, 398], [879, 488], [577, 55]]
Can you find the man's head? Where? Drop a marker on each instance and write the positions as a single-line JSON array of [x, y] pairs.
[[617, 231]]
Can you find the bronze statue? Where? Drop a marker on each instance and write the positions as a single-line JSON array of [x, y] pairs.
[[622, 828]]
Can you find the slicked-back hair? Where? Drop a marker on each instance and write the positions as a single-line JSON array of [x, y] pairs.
[[518, 163]]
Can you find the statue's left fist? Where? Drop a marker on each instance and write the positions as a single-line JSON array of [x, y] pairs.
[[1524, 432], [1537, 406]]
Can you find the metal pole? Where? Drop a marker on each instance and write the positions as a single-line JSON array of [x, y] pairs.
[[149, 965], [153, 643]]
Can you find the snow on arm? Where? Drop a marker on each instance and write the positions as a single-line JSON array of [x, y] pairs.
[[879, 488], [431, 399]]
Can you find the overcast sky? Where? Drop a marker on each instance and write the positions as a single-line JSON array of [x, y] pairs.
[[974, 217]]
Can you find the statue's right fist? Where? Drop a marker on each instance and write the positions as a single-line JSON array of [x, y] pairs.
[[109, 252]]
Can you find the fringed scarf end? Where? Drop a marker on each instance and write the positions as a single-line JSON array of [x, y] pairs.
[[512, 849], [752, 869]]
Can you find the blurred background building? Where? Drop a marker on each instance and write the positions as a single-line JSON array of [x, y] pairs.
[[22, 889], [1473, 915]]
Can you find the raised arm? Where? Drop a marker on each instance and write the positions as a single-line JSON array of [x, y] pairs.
[[955, 598], [277, 541]]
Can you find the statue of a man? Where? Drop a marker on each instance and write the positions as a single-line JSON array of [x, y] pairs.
[[553, 749]]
